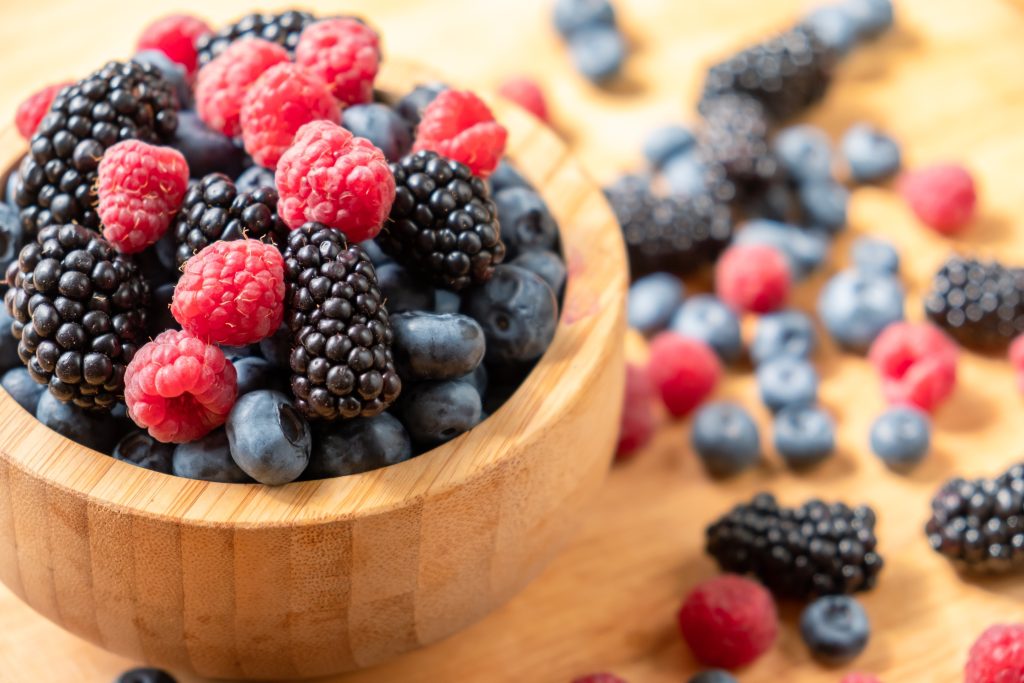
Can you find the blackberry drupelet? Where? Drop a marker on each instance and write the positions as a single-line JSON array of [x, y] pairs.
[[79, 311], [119, 102], [214, 209], [341, 358], [443, 223], [979, 524], [816, 549], [979, 303], [283, 28], [735, 136]]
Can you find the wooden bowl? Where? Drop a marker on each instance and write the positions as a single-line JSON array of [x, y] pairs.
[[320, 577]]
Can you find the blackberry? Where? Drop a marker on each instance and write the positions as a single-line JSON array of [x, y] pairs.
[[979, 303], [118, 102], [341, 358], [816, 549], [443, 223], [283, 28], [735, 136], [79, 311], [786, 73], [214, 209], [979, 524]]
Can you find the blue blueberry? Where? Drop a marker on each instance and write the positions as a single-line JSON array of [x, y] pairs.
[[268, 438], [92, 430], [835, 628], [255, 177], [574, 15], [666, 143], [783, 334], [526, 222], [375, 253], [870, 17], [172, 72], [713, 676], [804, 151], [725, 438], [805, 250], [206, 150], [518, 313], [824, 203], [546, 264], [138, 448], [784, 382], [652, 300], [256, 372], [478, 378], [855, 306], [8, 344], [22, 388], [145, 675], [901, 436], [436, 346], [870, 154], [358, 445], [685, 175], [834, 27], [277, 348], [208, 459], [873, 255], [402, 291], [411, 106], [598, 52], [804, 435], [381, 125], [506, 176], [437, 412], [11, 236], [706, 318], [446, 301], [11, 187]]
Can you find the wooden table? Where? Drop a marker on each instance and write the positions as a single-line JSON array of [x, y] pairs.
[[948, 82]]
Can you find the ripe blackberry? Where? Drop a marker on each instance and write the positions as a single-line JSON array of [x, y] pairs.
[[786, 73], [812, 550], [443, 223], [121, 101], [979, 524], [283, 28], [735, 136], [341, 337], [79, 311], [979, 303], [214, 209]]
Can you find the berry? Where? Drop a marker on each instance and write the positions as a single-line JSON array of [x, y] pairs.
[[526, 222], [873, 255], [206, 151], [145, 675], [329, 176], [8, 344], [859, 678], [706, 318], [175, 35], [459, 126], [835, 628], [32, 110], [652, 300], [432, 346], [870, 154], [979, 303], [725, 438], [208, 459], [518, 313], [345, 54], [942, 196], [599, 678], [729, 621], [410, 107], [684, 371], [527, 93], [871, 17], [804, 152], [437, 412], [86, 427], [177, 78], [785, 382], [752, 278], [812, 550], [713, 676], [735, 136], [547, 265], [804, 250], [222, 84], [804, 435], [824, 203], [138, 448], [666, 143], [23, 389], [140, 188], [381, 125], [833, 27], [855, 307], [402, 291], [917, 364], [358, 445], [598, 52], [255, 373], [997, 656], [179, 387], [11, 236], [505, 176], [269, 440], [901, 436], [446, 301], [572, 15], [788, 334], [638, 419], [283, 29]]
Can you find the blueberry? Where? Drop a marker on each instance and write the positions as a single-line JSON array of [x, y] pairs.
[[446, 301], [546, 264], [254, 178], [725, 438], [804, 435], [666, 143], [166, 252], [173, 73], [713, 676], [573, 15], [255, 372], [778, 201], [411, 106], [804, 151], [855, 307], [95, 431], [870, 154], [901, 436], [269, 440], [526, 222], [11, 187], [506, 176], [824, 203], [8, 344], [375, 253], [23, 389], [160, 317], [146, 675], [10, 235], [436, 412], [381, 125], [598, 52], [235, 353], [871, 18], [277, 348], [652, 301], [436, 346], [873, 255], [357, 445], [138, 448], [705, 317], [402, 291], [834, 27], [518, 313], [785, 333], [685, 175], [478, 379], [206, 150], [784, 382], [804, 250], [835, 628], [208, 459]]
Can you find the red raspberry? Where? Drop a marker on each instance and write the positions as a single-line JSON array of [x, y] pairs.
[[638, 420], [859, 678], [997, 656], [599, 678], [917, 363], [458, 125], [179, 388], [684, 370], [752, 278], [729, 621], [34, 108], [140, 189], [345, 54], [175, 35], [222, 84], [332, 177], [942, 196], [527, 94], [231, 293], [1017, 360]]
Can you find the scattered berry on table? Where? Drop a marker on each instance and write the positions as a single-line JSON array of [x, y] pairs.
[[547, 265], [871, 17], [32, 110], [979, 303], [874, 255], [652, 300], [855, 307], [172, 72], [208, 459], [901, 436], [713, 676], [345, 54], [943, 197], [527, 93], [432, 346], [145, 675], [1016, 357], [638, 418], [804, 151], [359, 445], [23, 389], [410, 107], [437, 412], [997, 656], [254, 373], [206, 151], [526, 222], [804, 250], [804, 435], [869, 154], [11, 236], [268, 437], [598, 52], [917, 364], [403, 291], [222, 84], [175, 35], [458, 125], [666, 143], [706, 318], [729, 621], [86, 427], [824, 203], [785, 382], [833, 27], [573, 15], [752, 278], [255, 178], [788, 333], [735, 135], [283, 29], [382, 126], [725, 437], [683, 370], [138, 448], [835, 629], [518, 313]]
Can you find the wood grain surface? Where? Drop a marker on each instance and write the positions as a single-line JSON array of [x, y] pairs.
[[948, 82]]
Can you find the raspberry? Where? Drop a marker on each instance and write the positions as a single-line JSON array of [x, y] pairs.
[[222, 84], [345, 54], [280, 101], [997, 656], [599, 678], [140, 188], [729, 621], [179, 387], [638, 420], [752, 277], [942, 196], [527, 94], [329, 176], [1017, 360], [458, 125], [32, 110], [684, 370], [917, 363], [859, 678], [231, 293], [175, 35]]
